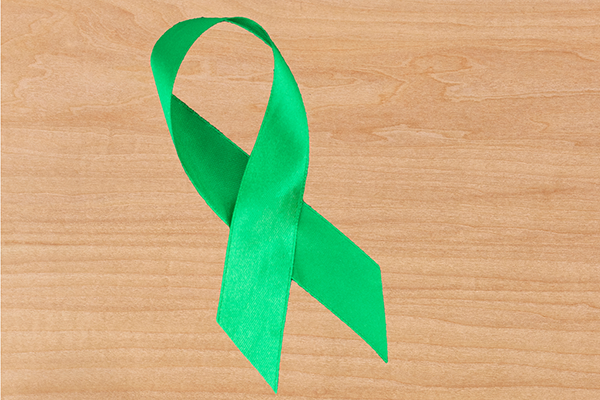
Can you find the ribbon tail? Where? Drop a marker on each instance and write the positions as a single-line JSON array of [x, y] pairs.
[[254, 321], [336, 272]]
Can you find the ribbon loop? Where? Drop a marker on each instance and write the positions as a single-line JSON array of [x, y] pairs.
[[274, 236]]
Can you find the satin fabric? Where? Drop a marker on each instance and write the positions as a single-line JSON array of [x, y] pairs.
[[274, 237]]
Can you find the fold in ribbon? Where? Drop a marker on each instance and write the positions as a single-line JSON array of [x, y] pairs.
[[274, 236]]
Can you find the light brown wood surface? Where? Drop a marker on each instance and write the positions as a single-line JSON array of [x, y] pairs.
[[456, 142]]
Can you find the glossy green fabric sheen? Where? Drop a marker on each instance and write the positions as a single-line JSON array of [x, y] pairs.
[[274, 236]]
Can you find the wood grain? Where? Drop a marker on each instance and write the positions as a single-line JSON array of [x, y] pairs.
[[458, 143]]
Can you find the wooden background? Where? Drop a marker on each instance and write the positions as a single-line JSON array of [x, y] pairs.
[[456, 142]]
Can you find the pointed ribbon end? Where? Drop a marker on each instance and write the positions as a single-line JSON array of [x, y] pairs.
[[264, 355]]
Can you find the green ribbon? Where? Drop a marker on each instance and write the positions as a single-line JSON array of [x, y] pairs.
[[274, 236]]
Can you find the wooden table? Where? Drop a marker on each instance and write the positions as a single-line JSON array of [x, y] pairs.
[[457, 143]]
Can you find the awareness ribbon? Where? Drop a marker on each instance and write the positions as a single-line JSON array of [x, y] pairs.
[[274, 236]]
